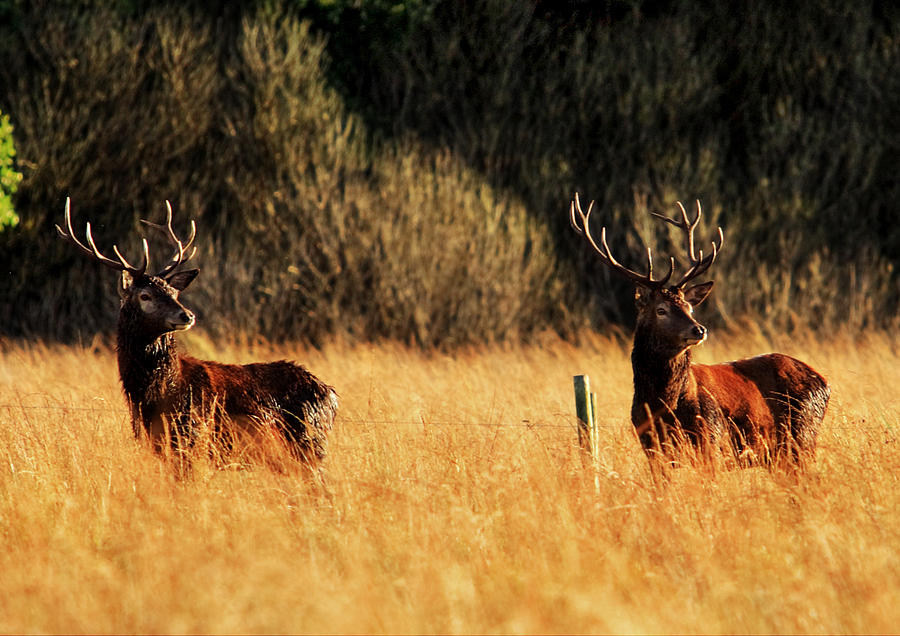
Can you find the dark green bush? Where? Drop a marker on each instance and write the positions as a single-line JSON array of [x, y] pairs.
[[403, 169], [781, 119], [403, 243], [306, 229]]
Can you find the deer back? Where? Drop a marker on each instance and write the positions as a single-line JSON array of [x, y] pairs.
[[280, 393], [769, 397]]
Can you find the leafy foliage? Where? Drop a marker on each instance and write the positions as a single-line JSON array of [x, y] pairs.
[[402, 169], [9, 177]]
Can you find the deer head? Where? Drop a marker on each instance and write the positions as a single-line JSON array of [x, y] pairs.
[[150, 303], [664, 310]]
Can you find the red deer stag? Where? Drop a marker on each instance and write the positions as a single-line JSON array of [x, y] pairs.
[[172, 395], [768, 407]]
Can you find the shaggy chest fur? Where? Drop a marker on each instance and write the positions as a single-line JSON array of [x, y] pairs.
[[667, 398], [150, 376]]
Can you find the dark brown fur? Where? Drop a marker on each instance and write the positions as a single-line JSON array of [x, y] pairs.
[[768, 407], [170, 394], [174, 397]]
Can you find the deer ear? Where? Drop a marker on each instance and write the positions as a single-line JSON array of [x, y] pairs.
[[180, 280], [698, 293], [125, 281]]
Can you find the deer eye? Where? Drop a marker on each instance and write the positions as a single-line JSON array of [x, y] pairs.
[[145, 296], [661, 311]]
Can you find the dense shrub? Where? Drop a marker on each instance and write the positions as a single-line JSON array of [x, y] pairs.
[[780, 119], [306, 230], [407, 244], [403, 169], [117, 114]]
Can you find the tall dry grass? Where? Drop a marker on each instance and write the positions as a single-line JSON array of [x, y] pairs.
[[455, 501]]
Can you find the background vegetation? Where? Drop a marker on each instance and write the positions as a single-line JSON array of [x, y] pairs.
[[9, 177], [403, 169]]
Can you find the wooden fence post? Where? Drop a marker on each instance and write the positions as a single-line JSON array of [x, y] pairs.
[[585, 403]]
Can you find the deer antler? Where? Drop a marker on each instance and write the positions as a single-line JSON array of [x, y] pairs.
[[698, 264], [644, 280], [121, 264], [178, 257]]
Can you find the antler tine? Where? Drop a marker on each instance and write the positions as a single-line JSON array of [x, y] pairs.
[[576, 205], [644, 280], [122, 264], [702, 264], [144, 260], [697, 264], [178, 257], [684, 224]]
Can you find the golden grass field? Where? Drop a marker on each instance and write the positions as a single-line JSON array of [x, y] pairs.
[[455, 500]]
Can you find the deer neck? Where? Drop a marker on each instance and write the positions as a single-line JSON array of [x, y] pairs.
[[148, 367], [659, 375]]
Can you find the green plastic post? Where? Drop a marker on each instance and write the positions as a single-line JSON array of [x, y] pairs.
[[584, 412]]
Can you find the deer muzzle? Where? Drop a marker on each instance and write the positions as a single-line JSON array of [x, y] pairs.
[[696, 334], [182, 321]]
